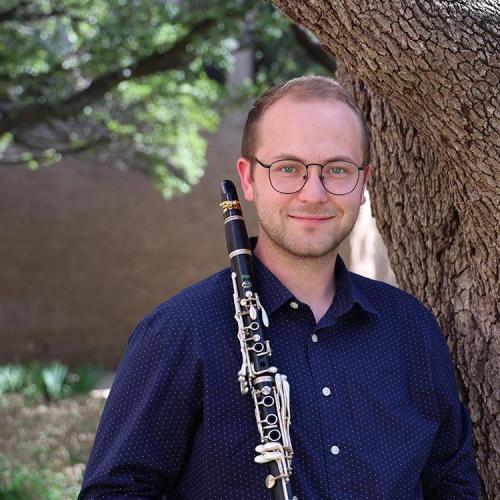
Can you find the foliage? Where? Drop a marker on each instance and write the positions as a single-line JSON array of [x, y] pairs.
[[53, 377], [19, 482], [44, 445], [52, 382], [147, 79], [11, 378], [84, 378]]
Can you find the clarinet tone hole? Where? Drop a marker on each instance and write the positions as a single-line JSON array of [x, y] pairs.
[[274, 435], [272, 419], [268, 401], [258, 347]]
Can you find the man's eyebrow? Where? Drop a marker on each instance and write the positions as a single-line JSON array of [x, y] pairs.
[[340, 158], [287, 156]]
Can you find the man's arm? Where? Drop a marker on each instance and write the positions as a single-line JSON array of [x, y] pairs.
[[150, 415], [450, 472]]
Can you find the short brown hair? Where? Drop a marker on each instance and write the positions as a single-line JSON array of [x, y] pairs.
[[308, 88]]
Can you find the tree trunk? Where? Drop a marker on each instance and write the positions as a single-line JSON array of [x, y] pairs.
[[426, 74]]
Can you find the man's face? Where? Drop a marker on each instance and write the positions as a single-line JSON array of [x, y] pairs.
[[312, 222]]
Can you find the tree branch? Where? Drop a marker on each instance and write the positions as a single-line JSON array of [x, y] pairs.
[[19, 15], [18, 160], [174, 57], [10, 15], [314, 50]]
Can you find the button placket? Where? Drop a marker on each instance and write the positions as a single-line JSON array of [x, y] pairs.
[[328, 403]]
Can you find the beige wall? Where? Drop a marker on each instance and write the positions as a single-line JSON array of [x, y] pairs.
[[87, 249]]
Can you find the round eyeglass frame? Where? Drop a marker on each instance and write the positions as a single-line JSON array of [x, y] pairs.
[[360, 169]]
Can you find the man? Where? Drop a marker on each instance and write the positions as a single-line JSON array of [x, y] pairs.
[[375, 410]]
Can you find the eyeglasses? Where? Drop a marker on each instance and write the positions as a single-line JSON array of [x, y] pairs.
[[290, 176]]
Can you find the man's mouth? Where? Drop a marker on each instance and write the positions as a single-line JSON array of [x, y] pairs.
[[311, 216]]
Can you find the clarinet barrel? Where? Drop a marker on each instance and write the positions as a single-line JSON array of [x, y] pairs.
[[269, 390]]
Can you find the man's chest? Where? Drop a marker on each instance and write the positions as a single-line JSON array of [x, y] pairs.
[[355, 427]]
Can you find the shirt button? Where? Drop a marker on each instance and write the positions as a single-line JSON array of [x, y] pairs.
[[326, 391], [314, 337], [335, 450], [294, 305]]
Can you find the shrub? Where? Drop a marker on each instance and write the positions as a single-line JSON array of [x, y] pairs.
[[18, 482], [52, 382]]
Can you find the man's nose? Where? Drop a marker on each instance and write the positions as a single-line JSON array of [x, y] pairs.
[[313, 190]]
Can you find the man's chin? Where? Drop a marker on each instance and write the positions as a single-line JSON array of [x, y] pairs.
[[305, 246], [311, 251]]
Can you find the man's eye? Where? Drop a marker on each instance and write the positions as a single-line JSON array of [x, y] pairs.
[[288, 169], [336, 171]]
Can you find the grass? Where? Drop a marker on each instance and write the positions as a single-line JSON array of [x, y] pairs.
[[47, 426]]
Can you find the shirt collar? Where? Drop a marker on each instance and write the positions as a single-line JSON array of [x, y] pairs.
[[274, 294], [348, 292]]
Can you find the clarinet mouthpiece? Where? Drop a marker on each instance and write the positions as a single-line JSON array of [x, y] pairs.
[[228, 190]]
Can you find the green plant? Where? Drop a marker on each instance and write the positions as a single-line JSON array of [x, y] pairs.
[[84, 378], [54, 378], [53, 381], [18, 482], [11, 378]]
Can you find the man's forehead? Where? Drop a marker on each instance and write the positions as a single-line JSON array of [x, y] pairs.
[[296, 124], [296, 111], [290, 106]]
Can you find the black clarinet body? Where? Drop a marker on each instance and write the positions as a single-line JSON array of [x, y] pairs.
[[257, 376]]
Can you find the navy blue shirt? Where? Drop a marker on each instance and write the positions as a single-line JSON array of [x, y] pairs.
[[374, 403]]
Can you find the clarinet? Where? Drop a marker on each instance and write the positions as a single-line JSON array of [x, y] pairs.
[[270, 391]]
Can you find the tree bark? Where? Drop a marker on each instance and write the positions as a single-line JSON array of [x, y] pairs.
[[426, 74]]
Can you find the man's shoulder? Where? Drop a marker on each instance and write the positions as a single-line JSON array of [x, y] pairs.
[[388, 298], [403, 315], [200, 298], [190, 308], [205, 293]]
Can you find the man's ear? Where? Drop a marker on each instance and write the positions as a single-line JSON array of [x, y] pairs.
[[366, 174], [245, 172]]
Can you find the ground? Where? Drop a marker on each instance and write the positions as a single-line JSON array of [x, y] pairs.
[[44, 446]]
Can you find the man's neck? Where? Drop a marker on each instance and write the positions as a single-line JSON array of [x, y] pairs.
[[310, 280]]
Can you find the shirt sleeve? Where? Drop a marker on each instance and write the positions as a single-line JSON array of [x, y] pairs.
[[450, 472], [150, 416]]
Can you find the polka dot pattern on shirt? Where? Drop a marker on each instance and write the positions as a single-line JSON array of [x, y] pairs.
[[375, 410]]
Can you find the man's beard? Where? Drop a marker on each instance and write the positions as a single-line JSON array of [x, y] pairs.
[[329, 242]]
